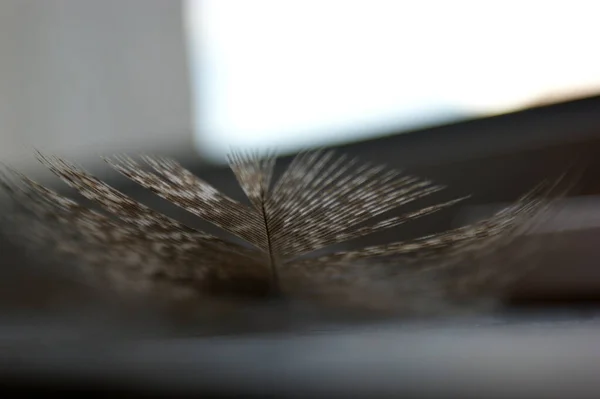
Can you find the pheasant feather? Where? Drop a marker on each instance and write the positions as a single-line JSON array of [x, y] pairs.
[[320, 200]]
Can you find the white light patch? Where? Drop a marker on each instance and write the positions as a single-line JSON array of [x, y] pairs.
[[296, 73]]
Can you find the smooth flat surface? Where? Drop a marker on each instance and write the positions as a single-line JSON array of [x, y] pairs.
[[540, 355]]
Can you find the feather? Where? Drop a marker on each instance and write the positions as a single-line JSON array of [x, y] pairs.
[[321, 200]]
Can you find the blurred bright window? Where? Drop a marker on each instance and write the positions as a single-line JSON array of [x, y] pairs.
[[295, 73]]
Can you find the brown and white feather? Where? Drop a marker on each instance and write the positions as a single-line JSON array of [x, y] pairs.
[[320, 200]]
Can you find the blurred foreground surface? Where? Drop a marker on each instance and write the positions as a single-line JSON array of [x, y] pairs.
[[527, 355]]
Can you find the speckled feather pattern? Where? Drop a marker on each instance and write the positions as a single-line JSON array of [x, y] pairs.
[[320, 200]]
